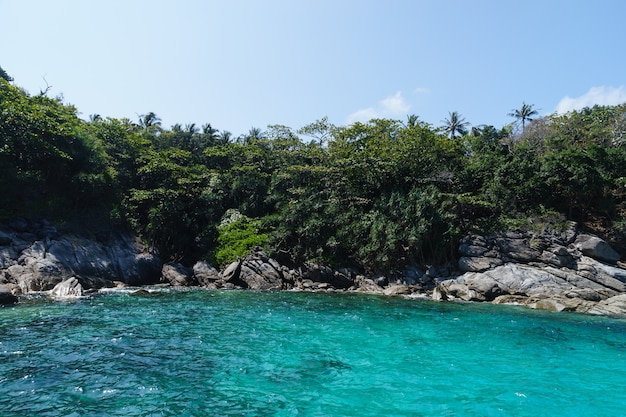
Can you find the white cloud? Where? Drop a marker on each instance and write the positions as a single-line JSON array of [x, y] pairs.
[[363, 115], [603, 96], [391, 107]]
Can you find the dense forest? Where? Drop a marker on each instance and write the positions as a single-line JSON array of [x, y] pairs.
[[375, 196]]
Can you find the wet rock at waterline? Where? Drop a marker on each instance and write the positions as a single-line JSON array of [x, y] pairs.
[[551, 271], [70, 288]]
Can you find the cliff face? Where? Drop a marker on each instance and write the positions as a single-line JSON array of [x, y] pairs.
[[555, 271], [34, 256]]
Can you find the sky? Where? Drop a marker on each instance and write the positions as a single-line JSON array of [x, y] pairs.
[[239, 64]]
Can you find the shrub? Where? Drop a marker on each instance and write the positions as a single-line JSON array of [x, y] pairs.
[[237, 239]]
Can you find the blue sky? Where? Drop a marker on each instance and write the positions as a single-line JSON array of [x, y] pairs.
[[243, 63]]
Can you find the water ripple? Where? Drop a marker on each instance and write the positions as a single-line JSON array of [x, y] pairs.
[[199, 353]]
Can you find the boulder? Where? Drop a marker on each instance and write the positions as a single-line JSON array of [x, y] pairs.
[[367, 285], [177, 275], [596, 248], [511, 278], [559, 304], [519, 247], [230, 275], [318, 272], [614, 306], [414, 276], [397, 289], [605, 275], [205, 274], [257, 271], [262, 273], [70, 288]]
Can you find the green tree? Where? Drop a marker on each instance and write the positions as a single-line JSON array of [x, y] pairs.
[[455, 125], [5, 76], [524, 114], [150, 122]]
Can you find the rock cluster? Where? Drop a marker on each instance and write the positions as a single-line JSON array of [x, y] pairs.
[[568, 270], [34, 256], [258, 271], [553, 271]]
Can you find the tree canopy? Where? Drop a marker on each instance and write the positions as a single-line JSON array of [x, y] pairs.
[[375, 196]]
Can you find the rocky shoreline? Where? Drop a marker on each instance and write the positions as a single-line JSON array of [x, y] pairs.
[[557, 271]]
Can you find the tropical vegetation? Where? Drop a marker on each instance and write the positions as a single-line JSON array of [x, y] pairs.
[[375, 196]]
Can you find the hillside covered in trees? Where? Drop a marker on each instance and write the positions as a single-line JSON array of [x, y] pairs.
[[376, 196]]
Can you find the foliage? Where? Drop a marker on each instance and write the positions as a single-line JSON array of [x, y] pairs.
[[376, 195], [524, 114], [5, 76], [455, 124], [50, 164], [236, 239]]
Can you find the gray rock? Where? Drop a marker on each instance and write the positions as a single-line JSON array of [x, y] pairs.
[[205, 274], [511, 278], [231, 274], [38, 264], [605, 275], [477, 264], [256, 271], [466, 249], [317, 272], [177, 275], [596, 248], [367, 285], [262, 273], [614, 306], [558, 304], [70, 288], [518, 249], [414, 275], [395, 289]]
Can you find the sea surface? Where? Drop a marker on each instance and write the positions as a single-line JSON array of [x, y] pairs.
[[240, 353]]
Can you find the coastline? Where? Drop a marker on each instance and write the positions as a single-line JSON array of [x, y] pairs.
[[556, 271]]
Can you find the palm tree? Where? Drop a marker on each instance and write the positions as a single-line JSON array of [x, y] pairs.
[[412, 120], [455, 124], [524, 114], [191, 128], [149, 120], [207, 129], [224, 137], [253, 134]]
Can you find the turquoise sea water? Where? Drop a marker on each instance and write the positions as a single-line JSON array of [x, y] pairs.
[[238, 353]]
